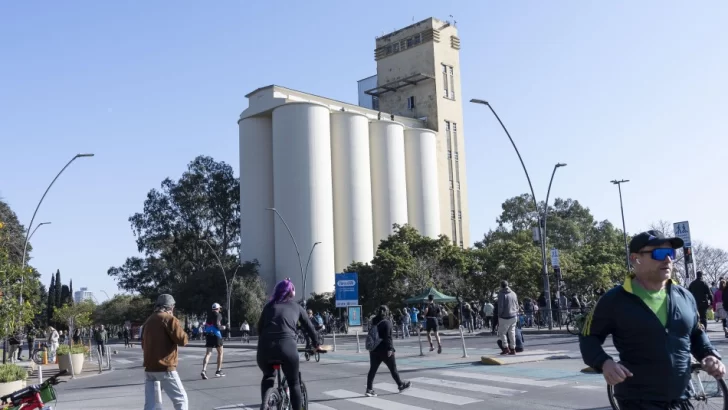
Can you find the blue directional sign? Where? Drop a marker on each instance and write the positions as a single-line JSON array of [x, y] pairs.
[[347, 289]]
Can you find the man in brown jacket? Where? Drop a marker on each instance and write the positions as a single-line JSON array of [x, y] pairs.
[[161, 335]]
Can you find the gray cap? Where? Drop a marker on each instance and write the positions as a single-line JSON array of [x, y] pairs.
[[165, 300]]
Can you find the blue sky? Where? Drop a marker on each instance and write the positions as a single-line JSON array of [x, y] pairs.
[[617, 89]]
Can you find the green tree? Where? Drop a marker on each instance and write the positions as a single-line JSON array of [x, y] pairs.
[[70, 291], [59, 289], [76, 315], [407, 263], [13, 233], [16, 316], [204, 204], [51, 300], [591, 252], [121, 308]]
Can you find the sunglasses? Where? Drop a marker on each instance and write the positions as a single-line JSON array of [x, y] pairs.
[[660, 254]]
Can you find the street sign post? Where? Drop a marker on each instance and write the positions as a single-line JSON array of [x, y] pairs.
[[682, 231], [555, 258], [347, 289]]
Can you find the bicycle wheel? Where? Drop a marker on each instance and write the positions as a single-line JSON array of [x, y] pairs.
[[307, 356], [304, 394], [317, 356], [272, 400], [706, 390], [38, 357], [610, 394], [573, 326]]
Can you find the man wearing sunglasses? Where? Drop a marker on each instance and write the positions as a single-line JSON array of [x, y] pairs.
[[655, 328]]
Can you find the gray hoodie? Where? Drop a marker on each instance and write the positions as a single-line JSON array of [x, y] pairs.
[[507, 304]]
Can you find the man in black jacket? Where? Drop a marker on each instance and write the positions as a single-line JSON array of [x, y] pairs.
[[383, 352], [655, 328], [703, 297]]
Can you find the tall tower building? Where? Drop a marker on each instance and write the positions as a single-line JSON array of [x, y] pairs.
[[418, 76]]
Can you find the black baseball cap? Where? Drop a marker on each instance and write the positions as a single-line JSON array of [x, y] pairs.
[[652, 238]]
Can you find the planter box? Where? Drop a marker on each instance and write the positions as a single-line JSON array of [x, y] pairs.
[[64, 362], [7, 388]]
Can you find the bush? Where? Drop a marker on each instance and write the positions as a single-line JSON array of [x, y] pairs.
[[12, 373], [76, 349]]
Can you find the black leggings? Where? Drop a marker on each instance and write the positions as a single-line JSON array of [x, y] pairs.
[[375, 359], [284, 352]]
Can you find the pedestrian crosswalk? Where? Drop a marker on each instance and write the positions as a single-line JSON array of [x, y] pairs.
[[440, 390]]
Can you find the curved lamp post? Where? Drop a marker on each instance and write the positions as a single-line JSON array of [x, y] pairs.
[[624, 227], [228, 287], [304, 274], [28, 233], [542, 215]]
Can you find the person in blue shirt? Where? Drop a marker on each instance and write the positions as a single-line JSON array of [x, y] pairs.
[[413, 317], [213, 340]]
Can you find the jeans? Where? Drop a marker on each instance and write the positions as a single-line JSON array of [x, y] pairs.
[[101, 347], [170, 384], [507, 331]]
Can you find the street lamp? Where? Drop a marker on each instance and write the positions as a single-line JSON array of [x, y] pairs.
[[304, 274], [624, 227], [27, 236], [542, 216], [36, 228], [228, 288]]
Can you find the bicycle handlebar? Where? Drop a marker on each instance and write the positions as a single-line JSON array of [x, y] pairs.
[[29, 391]]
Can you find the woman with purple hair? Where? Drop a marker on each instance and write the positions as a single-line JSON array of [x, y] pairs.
[[277, 339]]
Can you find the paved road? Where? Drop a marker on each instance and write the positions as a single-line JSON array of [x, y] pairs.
[[445, 381]]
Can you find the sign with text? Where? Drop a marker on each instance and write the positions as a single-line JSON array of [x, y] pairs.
[[347, 289], [354, 315], [682, 231], [555, 257]]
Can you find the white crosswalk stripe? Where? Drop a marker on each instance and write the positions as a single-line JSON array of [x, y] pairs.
[[373, 402], [319, 406], [427, 394], [480, 388], [503, 379]]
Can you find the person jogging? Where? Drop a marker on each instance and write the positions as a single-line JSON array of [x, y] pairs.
[[655, 326], [213, 340], [432, 312]]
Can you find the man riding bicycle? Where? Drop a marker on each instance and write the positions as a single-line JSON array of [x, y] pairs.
[[655, 328], [277, 340]]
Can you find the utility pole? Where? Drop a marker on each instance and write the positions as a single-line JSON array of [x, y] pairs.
[[624, 226]]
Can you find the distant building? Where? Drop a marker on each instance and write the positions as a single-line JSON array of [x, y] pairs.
[[342, 174], [82, 295]]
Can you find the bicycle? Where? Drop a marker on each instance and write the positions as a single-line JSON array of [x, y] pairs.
[[696, 389], [32, 397], [278, 397], [37, 354], [307, 353]]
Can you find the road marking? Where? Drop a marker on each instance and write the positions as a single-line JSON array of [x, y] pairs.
[[503, 379], [427, 394], [319, 406], [499, 391], [587, 387], [122, 361], [374, 402], [240, 406]]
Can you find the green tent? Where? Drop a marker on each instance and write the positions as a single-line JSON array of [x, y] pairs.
[[438, 297]]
